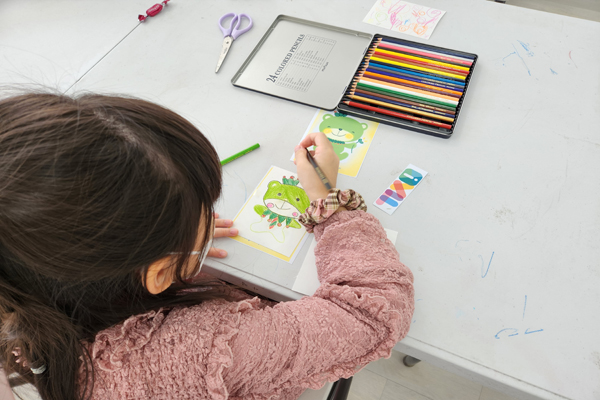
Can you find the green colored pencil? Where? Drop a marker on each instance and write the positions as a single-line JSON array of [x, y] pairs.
[[241, 153]]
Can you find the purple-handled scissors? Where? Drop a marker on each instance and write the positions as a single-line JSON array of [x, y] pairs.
[[231, 33]]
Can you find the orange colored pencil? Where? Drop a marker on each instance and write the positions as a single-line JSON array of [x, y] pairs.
[[412, 83], [422, 92]]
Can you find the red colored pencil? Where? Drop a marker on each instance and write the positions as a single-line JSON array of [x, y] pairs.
[[397, 114]]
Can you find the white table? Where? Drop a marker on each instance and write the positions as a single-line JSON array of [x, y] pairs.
[[502, 235], [51, 44]]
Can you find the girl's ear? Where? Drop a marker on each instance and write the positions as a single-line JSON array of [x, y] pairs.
[[159, 276]]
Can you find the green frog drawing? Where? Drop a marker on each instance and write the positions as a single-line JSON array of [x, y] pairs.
[[283, 203]]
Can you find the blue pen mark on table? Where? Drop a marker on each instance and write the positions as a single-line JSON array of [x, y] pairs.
[[527, 48], [553, 72], [483, 275], [509, 332]]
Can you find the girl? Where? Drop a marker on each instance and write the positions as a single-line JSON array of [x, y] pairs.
[[103, 203]]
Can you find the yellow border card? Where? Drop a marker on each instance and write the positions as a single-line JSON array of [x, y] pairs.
[[268, 221], [350, 137]]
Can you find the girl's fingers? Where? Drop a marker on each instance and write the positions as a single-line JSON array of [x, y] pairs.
[[223, 223], [216, 253], [225, 232]]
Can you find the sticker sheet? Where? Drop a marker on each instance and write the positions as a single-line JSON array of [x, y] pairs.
[[402, 186], [404, 17], [351, 138], [268, 221]]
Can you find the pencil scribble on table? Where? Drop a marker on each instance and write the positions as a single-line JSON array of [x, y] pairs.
[[572, 59], [527, 48], [282, 205], [516, 52], [343, 132], [514, 331], [484, 274]]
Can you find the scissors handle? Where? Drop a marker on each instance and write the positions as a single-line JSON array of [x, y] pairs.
[[233, 29]]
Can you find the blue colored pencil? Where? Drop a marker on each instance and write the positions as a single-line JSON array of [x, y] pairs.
[[428, 81], [417, 74]]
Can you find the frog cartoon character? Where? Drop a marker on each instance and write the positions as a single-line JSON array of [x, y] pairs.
[[343, 132], [283, 203]]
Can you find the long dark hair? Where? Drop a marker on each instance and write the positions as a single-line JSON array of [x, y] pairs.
[[93, 189]]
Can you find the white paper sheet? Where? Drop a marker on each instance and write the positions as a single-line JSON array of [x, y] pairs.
[[404, 17]]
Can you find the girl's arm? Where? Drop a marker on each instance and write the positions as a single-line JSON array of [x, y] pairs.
[[362, 308]]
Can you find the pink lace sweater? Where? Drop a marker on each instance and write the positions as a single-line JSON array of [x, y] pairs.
[[252, 350]]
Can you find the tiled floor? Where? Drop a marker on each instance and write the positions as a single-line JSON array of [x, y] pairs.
[[391, 380]]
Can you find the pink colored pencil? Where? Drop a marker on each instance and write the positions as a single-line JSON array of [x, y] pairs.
[[425, 53]]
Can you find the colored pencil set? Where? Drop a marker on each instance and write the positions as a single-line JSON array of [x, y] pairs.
[[414, 84]]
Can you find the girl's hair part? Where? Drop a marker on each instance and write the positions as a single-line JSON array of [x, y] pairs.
[[93, 189]]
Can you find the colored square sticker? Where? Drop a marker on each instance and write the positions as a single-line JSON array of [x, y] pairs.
[[399, 189]]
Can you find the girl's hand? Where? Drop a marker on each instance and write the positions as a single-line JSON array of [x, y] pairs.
[[223, 228], [325, 158]]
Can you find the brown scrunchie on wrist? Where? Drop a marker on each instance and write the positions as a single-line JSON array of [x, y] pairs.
[[321, 209]]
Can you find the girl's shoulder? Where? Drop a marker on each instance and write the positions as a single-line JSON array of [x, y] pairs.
[[131, 352]]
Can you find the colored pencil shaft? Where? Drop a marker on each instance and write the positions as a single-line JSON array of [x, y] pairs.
[[423, 60], [318, 170], [405, 95], [424, 53], [416, 92], [401, 102], [397, 107], [430, 75], [419, 75], [397, 114], [415, 65], [241, 153], [416, 85], [382, 71], [426, 49], [429, 57], [401, 58]]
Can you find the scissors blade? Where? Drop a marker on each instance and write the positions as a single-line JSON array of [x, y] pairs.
[[226, 45]]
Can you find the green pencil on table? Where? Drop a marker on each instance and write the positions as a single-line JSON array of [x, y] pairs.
[[241, 153], [310, 159]]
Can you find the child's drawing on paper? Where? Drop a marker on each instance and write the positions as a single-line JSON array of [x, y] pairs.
[[282, 205], [350, 137], [404, 17], [269, 219], [344, 133]]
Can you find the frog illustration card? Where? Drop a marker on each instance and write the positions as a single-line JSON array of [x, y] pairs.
[[269, 219], [350, 137]]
